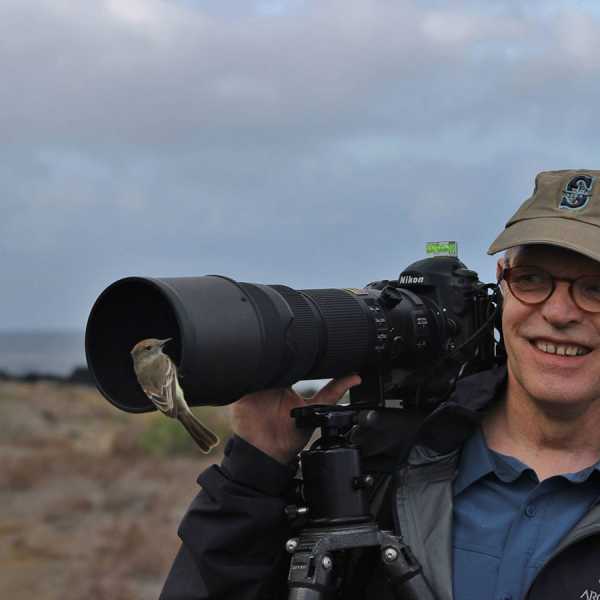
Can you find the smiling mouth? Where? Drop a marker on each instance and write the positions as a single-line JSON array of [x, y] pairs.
[[560, 349]]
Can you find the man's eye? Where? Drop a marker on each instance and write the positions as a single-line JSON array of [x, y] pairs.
[[591, 287], [529, 278]]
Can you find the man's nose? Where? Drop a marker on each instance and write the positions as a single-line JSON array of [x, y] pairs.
[[560, 309]]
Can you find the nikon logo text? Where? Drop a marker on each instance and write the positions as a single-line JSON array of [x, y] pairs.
[[411, 279]]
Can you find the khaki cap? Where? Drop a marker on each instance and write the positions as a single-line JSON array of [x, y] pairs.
[[564, 210]]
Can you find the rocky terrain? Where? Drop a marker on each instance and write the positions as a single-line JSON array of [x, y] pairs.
[[90, 497]]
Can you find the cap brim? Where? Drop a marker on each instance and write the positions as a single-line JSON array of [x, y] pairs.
[[566, 233]]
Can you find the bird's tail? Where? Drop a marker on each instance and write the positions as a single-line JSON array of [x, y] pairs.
[[203, 436]]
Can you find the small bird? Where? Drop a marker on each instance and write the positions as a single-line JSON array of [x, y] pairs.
[[157, 375]]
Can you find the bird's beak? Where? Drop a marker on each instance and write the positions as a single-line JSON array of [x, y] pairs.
[[163, 342]]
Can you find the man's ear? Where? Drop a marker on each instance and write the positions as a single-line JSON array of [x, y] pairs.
[[500, 267], [500, 350]]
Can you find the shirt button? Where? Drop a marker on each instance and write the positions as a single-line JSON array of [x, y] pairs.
[[530, 510]]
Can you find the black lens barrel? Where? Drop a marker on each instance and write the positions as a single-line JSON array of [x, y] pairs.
[[229, 338]]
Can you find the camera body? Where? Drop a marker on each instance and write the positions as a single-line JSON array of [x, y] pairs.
[[409, 338], [440, 326]]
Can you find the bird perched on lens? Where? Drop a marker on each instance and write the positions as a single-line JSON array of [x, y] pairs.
[[157, 375]]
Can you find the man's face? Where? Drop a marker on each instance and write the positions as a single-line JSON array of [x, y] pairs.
[[534, 335]]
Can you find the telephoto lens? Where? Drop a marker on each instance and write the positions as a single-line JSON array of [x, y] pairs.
[[231, 338]]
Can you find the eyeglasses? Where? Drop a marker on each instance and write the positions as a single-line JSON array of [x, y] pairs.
[[532, 285]]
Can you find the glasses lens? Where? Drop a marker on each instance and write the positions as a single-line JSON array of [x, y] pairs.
[[586, 292], [529, 284]]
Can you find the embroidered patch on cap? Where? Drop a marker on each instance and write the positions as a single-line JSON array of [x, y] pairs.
[[577, 192]]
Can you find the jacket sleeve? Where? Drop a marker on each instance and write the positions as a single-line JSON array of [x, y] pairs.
[[234, 532]]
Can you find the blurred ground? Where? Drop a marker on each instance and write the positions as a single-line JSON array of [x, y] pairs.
[[90, 497]]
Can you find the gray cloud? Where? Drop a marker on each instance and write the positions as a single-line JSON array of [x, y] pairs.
[[314, 143]]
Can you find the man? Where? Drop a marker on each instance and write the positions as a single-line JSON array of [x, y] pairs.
[[500, 496]]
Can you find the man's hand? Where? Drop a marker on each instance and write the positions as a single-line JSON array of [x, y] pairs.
[[263, 418]]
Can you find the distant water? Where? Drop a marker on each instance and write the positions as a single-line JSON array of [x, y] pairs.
[[55, 353]]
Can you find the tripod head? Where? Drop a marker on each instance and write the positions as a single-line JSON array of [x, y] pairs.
[[333, 484]]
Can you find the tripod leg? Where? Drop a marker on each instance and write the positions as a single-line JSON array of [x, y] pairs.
[[311, 576], [404, 571]]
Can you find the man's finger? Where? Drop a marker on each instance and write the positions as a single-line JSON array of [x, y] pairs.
[[335, 389]]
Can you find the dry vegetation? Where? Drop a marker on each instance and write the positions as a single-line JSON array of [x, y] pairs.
[[90, 497]]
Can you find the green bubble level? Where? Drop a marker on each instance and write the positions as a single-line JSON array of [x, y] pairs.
[[441, 249]]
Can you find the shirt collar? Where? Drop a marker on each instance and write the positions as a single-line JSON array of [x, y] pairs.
[[477, 461], [584, 474]]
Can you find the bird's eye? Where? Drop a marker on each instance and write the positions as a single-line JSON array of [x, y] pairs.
[[148, 348]]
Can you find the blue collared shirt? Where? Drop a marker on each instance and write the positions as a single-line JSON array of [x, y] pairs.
[[507, 523]]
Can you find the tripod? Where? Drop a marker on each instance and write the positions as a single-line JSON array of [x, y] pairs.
[[338, 515]]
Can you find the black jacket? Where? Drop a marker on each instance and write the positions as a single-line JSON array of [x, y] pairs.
[[234, 533]]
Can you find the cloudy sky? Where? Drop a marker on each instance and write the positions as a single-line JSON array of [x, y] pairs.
[[314, 143]]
